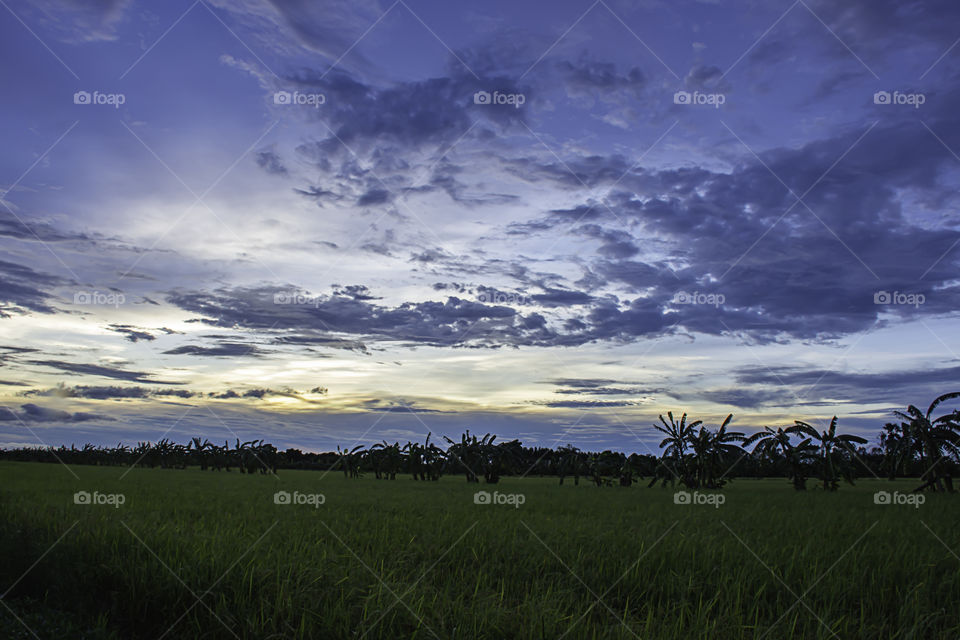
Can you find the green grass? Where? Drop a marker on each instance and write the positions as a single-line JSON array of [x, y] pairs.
[[462, 570]]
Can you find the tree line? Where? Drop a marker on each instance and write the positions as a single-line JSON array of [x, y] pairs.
[[696, 456]]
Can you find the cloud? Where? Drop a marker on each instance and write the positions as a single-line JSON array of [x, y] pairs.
[[397, 405], [333, 318], [747, 398], [373, 197], [21, 227], [78, 21], [260, 393], [330, 29], [785, 271], [140, 393], [705, 77], [402, 116], [869, 26], [811, 385], [220, 350], [615, 244], [22, 290], [33, 413], [374, 141], [98, 370], [91, 392], [355, 291], [553, 297], [600, 387], [591, 77], [270, 162], [132, 333], [581, 383], [585, 404], [318, 194]]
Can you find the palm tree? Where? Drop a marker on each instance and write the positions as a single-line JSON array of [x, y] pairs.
[[835, 451]]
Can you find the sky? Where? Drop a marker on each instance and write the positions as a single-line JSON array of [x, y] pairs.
[[327, 223]]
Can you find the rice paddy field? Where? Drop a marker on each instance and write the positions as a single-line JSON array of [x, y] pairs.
[[155, 553]]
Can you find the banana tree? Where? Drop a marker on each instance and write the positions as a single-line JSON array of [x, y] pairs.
[[415, 453], [498, 459], [199, 452], [835, 452], [424, 461], [387, 460], [349, 461], [466, 453], [569, 461], [674, 445], [713, 451], [433, 460], [936, 439], [775, 446], [900, 449], [249, 456]]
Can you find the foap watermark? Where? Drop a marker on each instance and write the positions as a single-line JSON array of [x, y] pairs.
[[699, 98], [502, 297], [898, 297], [115, 500], [899, 499], [899, 98], [700, 499], [99, 298], [296, 297], [96, 97], [686, 297], [296, 498], [516, 100], [485, 497], [298, 98]]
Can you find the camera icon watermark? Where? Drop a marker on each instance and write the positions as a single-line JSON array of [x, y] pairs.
[[686, 297], [896, 97], [899, 499], [516, 100], [99, 298], [296, 297], [698, 98], [300, 99], [899, 298], [115, 500], [513, 499], [699, 499], [296, 498], [502, 298], [96, 97]]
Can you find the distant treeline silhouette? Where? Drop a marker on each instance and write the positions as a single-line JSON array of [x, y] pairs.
[[692, 455]]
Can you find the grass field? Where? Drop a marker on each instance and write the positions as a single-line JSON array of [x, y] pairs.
[[194, 554]]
